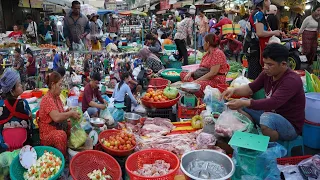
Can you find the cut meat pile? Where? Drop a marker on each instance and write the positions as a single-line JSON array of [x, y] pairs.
[[158, 168], [156, 127], [178, 143]]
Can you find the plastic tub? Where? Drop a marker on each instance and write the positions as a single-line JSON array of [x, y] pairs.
[[37, 94], [313, 107], [26, 95], [311, 135], [169, 77]]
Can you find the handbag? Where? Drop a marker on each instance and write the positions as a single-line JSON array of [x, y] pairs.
[[200, 72]]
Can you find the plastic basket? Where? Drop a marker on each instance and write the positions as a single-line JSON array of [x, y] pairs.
[[171, 78], [163, 113], [37, 94], [170, 47], [292, 160], [26, 95], [158, 83], [174, 64], [149, 156], [86, 161], [164, 104], [16, 170], [111, 132]]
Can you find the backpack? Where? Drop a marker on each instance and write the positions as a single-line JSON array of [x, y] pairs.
[[251, 39]]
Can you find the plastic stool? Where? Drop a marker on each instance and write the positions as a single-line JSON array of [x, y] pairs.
[[291, 144]]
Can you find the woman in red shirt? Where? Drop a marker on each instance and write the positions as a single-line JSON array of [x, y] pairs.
[[52, 118], [213, 67], [31, 64], [15, 33]]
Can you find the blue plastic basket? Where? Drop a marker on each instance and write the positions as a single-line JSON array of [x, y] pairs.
[[17, 171]]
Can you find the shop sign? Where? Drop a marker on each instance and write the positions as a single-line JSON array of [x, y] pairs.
[[164, 4], [34, 3]]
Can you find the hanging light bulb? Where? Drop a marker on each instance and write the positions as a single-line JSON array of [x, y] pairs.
[[308, 6]]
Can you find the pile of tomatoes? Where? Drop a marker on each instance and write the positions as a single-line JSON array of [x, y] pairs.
[[155, 96], [120, 141], [50, 46]]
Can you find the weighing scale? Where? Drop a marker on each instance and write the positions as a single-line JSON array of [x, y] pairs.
[[189, 99]]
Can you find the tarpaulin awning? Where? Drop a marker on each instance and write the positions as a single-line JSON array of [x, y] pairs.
[[105, 11]]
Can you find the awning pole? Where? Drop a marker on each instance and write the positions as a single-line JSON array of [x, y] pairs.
[[34, 29]]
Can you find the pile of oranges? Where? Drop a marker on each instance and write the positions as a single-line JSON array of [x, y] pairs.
[[155, 96]]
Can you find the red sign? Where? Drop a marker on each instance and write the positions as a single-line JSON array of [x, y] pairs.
[[164, 4]]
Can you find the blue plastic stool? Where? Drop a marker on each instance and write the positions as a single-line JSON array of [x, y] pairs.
[[291, 144]]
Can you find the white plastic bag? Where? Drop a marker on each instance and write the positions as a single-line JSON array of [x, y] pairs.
[[240, 80], [76, 79], [227, 123], [105, 114], [212, 99], [78, 46], [140, 109]]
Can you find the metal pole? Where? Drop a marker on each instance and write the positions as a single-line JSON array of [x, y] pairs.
[[34, 29], [195, 34]]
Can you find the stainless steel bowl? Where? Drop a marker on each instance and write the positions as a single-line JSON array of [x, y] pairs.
[[132, 118], [190, 87], [207, 155], [97, 122]]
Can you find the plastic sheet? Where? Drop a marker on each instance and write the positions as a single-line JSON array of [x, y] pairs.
[[212, 100], [257, 164]]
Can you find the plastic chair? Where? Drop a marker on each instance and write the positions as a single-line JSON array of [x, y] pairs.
[[291, 144], [14, 137]]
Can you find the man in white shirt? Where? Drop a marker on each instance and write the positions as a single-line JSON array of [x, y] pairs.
[[32, 30]]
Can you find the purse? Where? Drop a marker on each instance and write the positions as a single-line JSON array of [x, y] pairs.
[[200, 72]]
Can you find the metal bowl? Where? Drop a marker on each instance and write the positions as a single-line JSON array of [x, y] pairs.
[[207, 155], [132, 118], [97, 122], [190, 87]]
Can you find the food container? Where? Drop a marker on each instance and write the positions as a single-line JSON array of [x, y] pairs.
[[164, 104], [207, 155], [158, 83], [170, 77], [311, 134], [312, 107], [97, 122], [132, 118], [190, 87]]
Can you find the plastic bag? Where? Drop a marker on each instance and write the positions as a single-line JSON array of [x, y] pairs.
[[205, 140], [240, 80], [207, 117], [258, 164], [77, 121], [48, 37], [78, 136], [76, 79], [230, 121], [212, 99], [105, 114], [5, 160], [78, 46], [140, 109], [118, 114]]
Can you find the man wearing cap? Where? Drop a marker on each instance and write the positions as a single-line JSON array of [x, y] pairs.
[[76, 25], [281, 114], [272, 17]]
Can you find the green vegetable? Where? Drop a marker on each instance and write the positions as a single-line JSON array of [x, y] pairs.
[[78, 137], [5, 160], [235, 66], [170, 92]]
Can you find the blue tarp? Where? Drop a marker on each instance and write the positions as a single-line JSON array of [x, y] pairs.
[[105, 11]]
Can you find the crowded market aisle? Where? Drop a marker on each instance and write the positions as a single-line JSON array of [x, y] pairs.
[[188, 96]]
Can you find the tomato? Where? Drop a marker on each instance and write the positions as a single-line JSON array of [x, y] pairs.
[[129, 135], [125, 148], [115, 148], [126, 138], [133, 142], [111, 147], [156, 98], [128, 146], [97, 176], [128, 142], [122, 141], [112, 143], [149, 90], [147, 95]]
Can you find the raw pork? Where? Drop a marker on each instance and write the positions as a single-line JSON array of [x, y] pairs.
[[158, 168], [205, 140], [156, 127]]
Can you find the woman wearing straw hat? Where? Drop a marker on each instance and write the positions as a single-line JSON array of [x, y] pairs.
[[95, 32]]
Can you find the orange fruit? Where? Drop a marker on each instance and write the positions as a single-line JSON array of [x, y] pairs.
[[147, 95], [156, 98]]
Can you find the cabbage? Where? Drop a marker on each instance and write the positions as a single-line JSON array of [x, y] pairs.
[[170, 92], [78, 137]]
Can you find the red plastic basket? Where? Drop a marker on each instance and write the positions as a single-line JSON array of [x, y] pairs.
[[105, 135], [26, 95], [149, 156], [158, 83], [164, 104], [292, 160], [86, 161]]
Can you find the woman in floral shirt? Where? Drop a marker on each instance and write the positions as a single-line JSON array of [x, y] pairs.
[[214, 63], [52, 118]]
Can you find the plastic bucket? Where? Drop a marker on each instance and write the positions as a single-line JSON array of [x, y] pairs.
[[312, 107], [311, 135]]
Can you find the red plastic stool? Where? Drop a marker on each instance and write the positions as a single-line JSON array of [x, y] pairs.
[[14, 137]]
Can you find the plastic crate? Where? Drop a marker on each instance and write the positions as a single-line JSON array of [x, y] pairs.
[[162, 113], [188, 112], [292, 160]]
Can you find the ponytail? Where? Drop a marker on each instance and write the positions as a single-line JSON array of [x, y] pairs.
[[124, 75]]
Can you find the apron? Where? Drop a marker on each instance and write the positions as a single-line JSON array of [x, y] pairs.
[[13, 112]]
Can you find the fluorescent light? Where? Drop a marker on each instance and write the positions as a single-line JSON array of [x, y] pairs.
[[308, 6], [231, 5], [287, 8]]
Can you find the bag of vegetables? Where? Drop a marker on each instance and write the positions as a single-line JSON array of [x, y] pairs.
[[77, 121], [5, 160], [78, 136], [170, 92]]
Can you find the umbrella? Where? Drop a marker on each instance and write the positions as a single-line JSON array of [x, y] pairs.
[[133, 13]]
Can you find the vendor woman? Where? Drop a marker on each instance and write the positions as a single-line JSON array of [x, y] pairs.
[[213, 67], [91, 95], [281, 114], [151, 60], [52, 123], [14, 112], [122, 92]]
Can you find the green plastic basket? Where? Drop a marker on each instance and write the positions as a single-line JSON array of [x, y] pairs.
[[170, 47], [16, 170], [171, 78], [174, 64]]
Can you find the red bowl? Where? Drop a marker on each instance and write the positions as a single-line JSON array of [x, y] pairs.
[[159, 105], [111, 132]]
